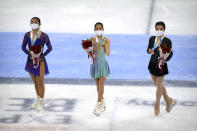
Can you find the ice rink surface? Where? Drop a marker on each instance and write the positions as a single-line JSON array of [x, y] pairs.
[[128, 24], [70, 108]]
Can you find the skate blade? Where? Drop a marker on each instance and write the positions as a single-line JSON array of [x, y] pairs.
[[173, 104], [39, 109], [96, 114], [33, 106], [103, 110]]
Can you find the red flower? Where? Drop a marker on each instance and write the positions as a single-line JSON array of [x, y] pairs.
[[35, 48], [86, 44], [165, 49]]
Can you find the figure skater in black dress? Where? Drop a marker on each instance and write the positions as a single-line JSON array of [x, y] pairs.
[[155, 42]]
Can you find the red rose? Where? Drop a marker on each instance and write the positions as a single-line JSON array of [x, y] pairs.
[[35, 48], [86, 44], [165, 49]]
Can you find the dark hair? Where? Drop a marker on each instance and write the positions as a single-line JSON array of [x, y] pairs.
[[160, 23], [98, 23], [38, 19]]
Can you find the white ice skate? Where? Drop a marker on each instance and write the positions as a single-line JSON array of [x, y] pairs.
[[40, 104], [34, 105], [103, 105], [169, 108], [97, 109]]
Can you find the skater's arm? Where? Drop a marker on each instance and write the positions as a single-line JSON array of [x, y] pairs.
[[48, 43], [92, 38], [107, 46], [24, 44], [150, 46], [170, 56], [169, 46]]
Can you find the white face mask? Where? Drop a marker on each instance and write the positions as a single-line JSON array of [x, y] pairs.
[[99, 32], [159, 32], [34, 26]]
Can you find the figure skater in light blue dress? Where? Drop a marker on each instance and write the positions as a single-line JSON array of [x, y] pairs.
[[99, 70]]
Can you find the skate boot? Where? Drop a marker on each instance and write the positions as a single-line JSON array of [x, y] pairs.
[[157, 109], [34, 105], [97, 109], [103, 105], [170, 104], [40, 104]]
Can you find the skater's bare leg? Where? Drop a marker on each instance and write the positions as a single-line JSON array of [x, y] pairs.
[[33, 77], [167, 99], [40, 80], [101, 88], [159, 92], [97, 84], [165, 94], [154, 79]]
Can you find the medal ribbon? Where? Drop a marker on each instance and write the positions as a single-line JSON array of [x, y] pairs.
[[102, 39], [157, 43], [35, 38]]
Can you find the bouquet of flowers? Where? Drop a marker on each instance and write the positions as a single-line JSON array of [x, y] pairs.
[[88, 47], [164, 52], [35, 52]]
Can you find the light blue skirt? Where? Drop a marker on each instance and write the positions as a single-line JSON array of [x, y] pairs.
[[99, 69]]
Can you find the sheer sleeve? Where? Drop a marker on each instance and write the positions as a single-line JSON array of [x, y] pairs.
[[169, 44], [150, 44], [48, 44], [24, 44]]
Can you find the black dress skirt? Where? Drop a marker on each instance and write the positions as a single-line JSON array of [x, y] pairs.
[[152, 66]]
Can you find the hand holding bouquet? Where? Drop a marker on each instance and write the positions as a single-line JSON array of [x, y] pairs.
[[164, 52], [88, 47], [35, 52]]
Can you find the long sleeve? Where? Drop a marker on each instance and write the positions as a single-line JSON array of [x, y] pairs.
[[170, 56], [150, 44], [169, 46], [24, 44], [48, 43]]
